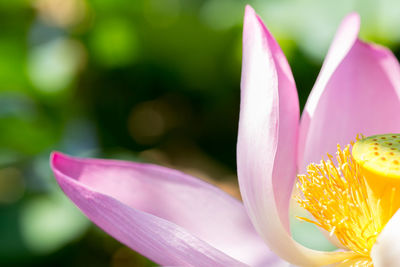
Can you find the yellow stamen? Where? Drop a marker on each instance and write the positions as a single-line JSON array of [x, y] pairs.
[[355, 200]]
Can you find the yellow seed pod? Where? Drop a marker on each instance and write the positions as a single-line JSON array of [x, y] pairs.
[[379, 159], [379, 154]]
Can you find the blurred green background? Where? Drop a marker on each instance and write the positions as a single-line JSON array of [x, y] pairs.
[[147, 80]]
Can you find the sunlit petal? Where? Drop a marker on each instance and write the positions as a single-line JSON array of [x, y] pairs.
[[357, 92], [266, 151], [163, 214]]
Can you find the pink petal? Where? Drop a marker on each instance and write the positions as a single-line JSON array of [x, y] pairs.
[[163, 214], [269, 115], [357, 92], [266, 150]]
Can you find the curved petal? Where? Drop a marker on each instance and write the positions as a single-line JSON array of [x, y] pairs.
[[357, 92], [268, 120], [266, 149], [163, 214], [386, 251]]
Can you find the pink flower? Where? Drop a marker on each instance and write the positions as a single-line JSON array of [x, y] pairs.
[[175, 219]]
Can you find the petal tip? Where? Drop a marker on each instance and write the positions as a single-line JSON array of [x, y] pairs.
[[249, 15], [63, 165], [249, 10], [55, 154], [352, 20], [55, 157], [353, 16]]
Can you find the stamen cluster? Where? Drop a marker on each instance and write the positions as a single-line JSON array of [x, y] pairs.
[[338, 199]]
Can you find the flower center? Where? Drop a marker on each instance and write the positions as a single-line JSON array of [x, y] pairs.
[[355, 198]]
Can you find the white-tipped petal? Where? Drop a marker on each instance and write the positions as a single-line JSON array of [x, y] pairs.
[[386, 251]]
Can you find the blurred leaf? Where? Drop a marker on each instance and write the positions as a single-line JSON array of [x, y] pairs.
[[5, 4], [162, 13], [12, 60], [222, 14], [11, 243], [25, 136]]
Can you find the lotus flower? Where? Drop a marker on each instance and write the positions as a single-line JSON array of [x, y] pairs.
[[175, 219]]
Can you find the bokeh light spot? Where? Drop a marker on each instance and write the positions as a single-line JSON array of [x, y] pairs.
[[146, 123], [50, 222], [114, 42], [62, 13], [52, 66]]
